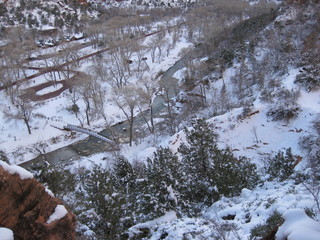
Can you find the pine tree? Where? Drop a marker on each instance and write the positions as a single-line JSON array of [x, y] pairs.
[[125, 180], [197, 155], [159, 190], [124, 171], [108, 203], [281, 167], [231, 174], [209, 171]]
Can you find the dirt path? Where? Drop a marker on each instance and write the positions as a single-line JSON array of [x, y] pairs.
[[31, 93]]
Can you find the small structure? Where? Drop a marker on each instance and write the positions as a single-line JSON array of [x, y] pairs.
[[89, 132]]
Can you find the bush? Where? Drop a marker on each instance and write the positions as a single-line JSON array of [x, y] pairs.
[[281, 167], [309, 74], [273, 221], [57, 179], [212, 172], [232, 174], [283, 113], [311, 144]]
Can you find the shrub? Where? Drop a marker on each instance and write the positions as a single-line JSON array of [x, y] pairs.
[[283, 113], [57, 179], [232, 174], [309, 74], [212, 172], [281, 166], [261, 230]]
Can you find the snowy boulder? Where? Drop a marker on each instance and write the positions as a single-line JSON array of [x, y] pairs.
[[246, 193], [23, 174], [59, 212], [137, 231], [6, 233], [298, 226]]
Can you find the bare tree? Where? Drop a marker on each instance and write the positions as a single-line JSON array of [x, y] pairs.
[[156, 47], [166, 94], [126, 100], [86, 95], [74, 97], [118, 68], [145, 96], [21, 110], [94, 33]]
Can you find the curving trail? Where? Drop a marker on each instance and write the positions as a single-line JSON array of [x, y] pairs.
[[31, 93]]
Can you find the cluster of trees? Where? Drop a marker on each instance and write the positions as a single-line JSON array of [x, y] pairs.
[[48, 14], [111, 200], [12, 69], [132, 193], [88, 94]]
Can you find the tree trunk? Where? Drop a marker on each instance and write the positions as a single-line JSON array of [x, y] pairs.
[[87, 117], [131, 127], [27, 124], [151, 117], [169, 112]]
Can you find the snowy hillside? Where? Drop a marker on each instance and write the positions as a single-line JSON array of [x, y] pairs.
[[148, 3], [44, 14]]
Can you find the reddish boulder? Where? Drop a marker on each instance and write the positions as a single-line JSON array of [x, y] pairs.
[[26, 207]]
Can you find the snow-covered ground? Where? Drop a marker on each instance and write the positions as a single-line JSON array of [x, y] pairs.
[[251, 208]]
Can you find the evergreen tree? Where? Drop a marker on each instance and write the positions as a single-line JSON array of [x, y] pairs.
[[281, 167], [159, 190], [197, 155], [108, 203], [124, 171], [59, 180], [211, 172], [125, 180], [231, 174]]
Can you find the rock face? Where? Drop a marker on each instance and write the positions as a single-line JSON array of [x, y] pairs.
[[25, 208]]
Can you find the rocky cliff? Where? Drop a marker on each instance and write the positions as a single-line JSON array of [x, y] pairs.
[[31, 211]]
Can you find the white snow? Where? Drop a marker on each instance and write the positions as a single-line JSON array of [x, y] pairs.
[[50, 89], [251, 208], [298, 226], [168, 217], [59, 212], [24, 174], [49, 192], [6, 234]]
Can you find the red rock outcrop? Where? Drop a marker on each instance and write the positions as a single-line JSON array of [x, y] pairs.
[[25, 208]]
